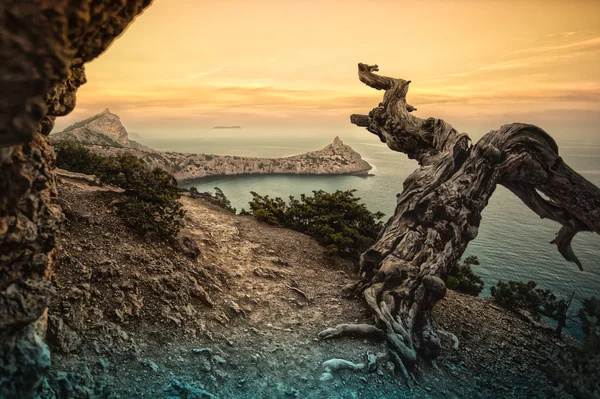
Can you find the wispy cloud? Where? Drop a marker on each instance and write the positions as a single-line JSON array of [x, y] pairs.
[[205, 73], [554, 50], [586, 44]]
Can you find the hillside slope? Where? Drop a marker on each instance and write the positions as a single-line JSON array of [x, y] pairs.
[[133, 318], [104, 129]]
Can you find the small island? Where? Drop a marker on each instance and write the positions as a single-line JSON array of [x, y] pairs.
[[227, 127]]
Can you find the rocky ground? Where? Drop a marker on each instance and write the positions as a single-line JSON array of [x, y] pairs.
[[133, 318]]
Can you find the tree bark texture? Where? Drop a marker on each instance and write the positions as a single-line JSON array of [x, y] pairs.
[[439, 210]]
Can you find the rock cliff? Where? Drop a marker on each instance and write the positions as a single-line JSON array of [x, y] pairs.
[[103, 129], [335, 159], [45, 45], [104, 134]]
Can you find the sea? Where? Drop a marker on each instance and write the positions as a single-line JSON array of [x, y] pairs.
[[513, 242]]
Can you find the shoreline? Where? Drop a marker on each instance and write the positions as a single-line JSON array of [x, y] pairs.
[[363, 174]]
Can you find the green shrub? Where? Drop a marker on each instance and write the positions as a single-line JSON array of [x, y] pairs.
[[76, 158], [218, 198], [151, 203], [223, 201], [145, 217], [462, 278], [539, 302], [337, 220], [579, 373], [194, 193]]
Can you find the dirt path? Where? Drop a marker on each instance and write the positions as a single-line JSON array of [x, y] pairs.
[[135, 319]]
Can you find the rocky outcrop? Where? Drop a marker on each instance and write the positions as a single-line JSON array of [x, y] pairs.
[[335, 159], [104, 129], [44, 46], [104, 134]]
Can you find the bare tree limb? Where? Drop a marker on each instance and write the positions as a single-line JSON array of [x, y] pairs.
[[439, 209]]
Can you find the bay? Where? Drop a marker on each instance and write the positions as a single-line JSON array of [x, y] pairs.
[[512, 244]]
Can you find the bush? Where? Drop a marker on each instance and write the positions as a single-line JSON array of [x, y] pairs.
[[218, 198], [76, 158], [337, 220], [539, 302], [462, 278], [580, 371], [223, 201], [151, 204], [194, 193]]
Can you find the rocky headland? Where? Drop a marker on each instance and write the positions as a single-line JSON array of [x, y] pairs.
[[105, 134]]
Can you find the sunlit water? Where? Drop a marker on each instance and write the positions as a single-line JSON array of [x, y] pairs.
[[513, 242]]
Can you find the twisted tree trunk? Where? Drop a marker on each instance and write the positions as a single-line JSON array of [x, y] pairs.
[[439, 210]]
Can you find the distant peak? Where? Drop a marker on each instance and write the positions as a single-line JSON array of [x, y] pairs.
[[106, 111], [337, 140]]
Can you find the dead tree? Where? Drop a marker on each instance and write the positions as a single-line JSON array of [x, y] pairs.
[[439, 211]]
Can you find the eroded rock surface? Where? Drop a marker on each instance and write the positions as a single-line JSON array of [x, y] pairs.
[[43, 46]]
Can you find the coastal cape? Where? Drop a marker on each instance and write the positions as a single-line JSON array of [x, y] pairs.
[[104, 134]]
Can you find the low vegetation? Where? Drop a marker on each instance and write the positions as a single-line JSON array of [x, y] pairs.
[[581, 372], [218, 198], [463, 279], [338, 220], [539, 302], [151, 203]]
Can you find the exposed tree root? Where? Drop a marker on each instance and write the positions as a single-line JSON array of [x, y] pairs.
[[332, 365], [351, 330], [453, 337]]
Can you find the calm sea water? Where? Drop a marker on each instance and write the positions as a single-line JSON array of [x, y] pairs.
[[513, 242]]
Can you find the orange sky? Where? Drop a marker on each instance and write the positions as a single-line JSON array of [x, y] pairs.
[[186, 65]]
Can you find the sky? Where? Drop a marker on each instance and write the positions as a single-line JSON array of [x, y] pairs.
[[188, 65]]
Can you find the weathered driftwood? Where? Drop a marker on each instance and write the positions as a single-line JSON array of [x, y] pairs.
[[439, 210]]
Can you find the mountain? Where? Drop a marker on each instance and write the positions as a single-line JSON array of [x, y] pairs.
[[103, 129], [103, 133]]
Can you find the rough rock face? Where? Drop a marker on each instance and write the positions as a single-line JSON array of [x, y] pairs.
[[43, 46], [103, 129]]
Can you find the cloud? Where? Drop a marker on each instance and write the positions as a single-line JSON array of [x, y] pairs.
[[586, 44], [205, 73], [553, 51]]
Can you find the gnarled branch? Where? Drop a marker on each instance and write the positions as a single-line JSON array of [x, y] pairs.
[[439, 210]]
